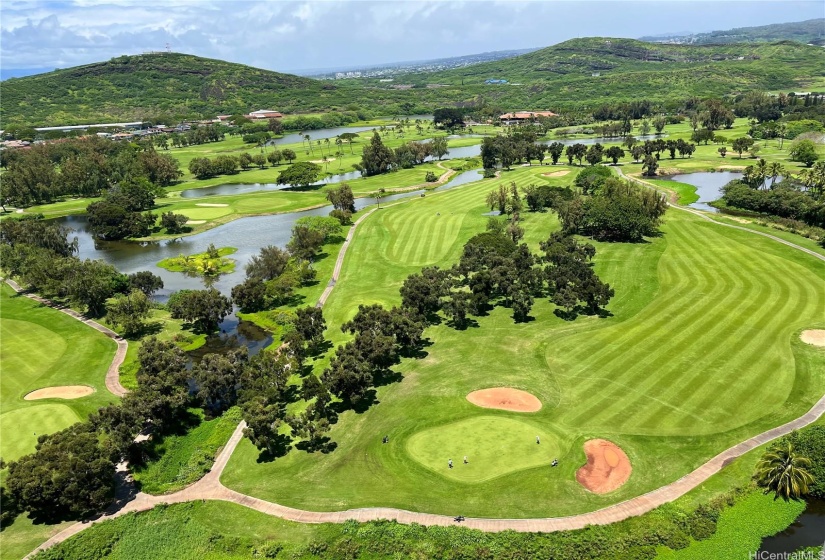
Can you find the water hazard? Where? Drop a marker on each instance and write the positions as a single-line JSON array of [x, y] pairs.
[[708, 186]]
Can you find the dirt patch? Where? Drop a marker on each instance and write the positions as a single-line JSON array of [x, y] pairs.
[[63, 392], [814, 337], [195, 222], [505, 398], [212, 205], [561, 173], [734, 167], [740, 220], [607, 467], [320, 161]]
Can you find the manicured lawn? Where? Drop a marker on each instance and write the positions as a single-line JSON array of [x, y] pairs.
[[494, 446], [42, 347], [701, 351]]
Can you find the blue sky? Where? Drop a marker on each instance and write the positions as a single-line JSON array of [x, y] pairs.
[[286, 36]]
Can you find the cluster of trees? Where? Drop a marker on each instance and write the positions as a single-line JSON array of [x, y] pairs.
[[378, 158], [798, 198], [124, 210], [39, 253], [194, 137], [273, 274], [83, 167], [611, 209], [204, 168]]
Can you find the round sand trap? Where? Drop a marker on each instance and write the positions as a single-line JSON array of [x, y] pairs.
[[64, 392], [815, 337], [505, 398], [561, 173], [607, 467], [195, 222], [211, 205]]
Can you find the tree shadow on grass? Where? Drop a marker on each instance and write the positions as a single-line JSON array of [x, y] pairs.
[[281, 446], [323, 444]]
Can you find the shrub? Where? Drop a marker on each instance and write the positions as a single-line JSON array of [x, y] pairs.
[[430, 177]]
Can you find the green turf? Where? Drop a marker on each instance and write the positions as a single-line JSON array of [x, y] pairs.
[[701, 351], [21, 427], [494, 446], [42, 347]]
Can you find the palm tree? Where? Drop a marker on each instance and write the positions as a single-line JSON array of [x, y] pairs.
[[326, 141], [309, 141], [775, 169], [784, 472]]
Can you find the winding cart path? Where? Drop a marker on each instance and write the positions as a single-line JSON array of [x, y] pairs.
[[211, 488]]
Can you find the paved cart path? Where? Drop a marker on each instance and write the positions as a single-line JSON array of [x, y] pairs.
[[211, 488]]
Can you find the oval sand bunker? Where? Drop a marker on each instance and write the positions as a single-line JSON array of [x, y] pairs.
[[63, 392], [814, 337], [607, 467], [505, 398]]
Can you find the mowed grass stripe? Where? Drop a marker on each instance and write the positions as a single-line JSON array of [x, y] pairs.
[[649, 374]]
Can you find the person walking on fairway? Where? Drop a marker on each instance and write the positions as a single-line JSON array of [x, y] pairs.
[[538, 440], [465, 460], [450, 463]]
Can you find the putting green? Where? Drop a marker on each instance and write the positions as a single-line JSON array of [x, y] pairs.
[[31, 422], [494, 446]]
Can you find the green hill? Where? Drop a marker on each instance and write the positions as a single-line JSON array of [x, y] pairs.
[[148, 85], [808, 31], [734, 67]]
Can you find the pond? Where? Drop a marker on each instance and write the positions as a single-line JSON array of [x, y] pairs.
[[708, 186], [242, 188], [248, 235], [807, 530]]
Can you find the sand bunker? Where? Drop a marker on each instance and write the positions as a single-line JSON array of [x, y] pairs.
[[561, 173], [195, 222], [211, 205], [735, 167], [815, 337], [64, 392], [505, 398], [607, 467]]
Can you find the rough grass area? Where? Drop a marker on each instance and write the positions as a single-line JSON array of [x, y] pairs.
[[42, 347], [701, 352], [180, 460], [740, 529]]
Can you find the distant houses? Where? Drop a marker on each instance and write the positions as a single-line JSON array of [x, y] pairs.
[[263, 114], [493, 81], [519, 117]]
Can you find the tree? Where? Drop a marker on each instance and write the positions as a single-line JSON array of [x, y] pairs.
[[310, 324], [784, 472], [274, 157], [329, 227], [269, 263], [813, 179], [146, 282], [577, 152], [741, 145], [173, 223], [644, 128], [804, 151], [301, 174], [590, 179], [659, 124], [448, 117], [129, 311], [113, 221], [305, 242], [438, 147], [614, 153], [555, 150], [723, 151], [204, 308], [259, 160], [69, 476], [218, 378], [376, 158], [288, 155], [702, 135], [650, 165], [349, 138], [348, 376], [594, 154], [342, 198]]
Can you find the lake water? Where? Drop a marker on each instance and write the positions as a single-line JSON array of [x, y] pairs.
[[247, 234], [708, 186], [807, 530]]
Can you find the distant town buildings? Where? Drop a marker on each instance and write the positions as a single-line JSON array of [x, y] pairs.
[[519, 117], [495, 81], [263, 114]]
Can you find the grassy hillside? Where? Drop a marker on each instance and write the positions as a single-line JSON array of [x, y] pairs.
[[710, 68], [808, 31], [134, 87]]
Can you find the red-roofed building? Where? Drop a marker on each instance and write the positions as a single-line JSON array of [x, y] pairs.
[[264, 114], [519, 117]]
